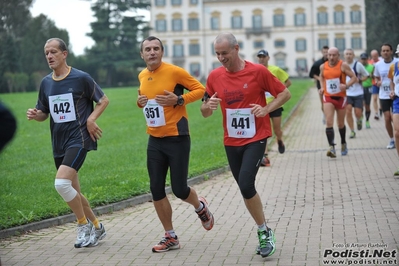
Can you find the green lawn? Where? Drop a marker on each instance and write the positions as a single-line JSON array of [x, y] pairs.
[[115, 172]]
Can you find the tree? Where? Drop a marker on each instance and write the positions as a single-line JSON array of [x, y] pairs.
[[14, 16], [40, 29], [22, 40], [382, 23], [116, 35]]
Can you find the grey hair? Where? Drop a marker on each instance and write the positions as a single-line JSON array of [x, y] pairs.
[[61, 44], [226, 36]]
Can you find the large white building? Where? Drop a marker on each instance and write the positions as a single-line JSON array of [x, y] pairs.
[[292, 31]]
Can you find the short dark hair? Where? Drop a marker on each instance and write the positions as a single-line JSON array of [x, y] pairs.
[[387, 44], [150, 38], [61, 44], [325, 47]]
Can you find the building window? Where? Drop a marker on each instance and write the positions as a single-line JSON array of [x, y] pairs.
[[165, 50], [279, 43], [280, 59], [195, 69], [215, 23], [212, 49], [216, 64], [340, 44], [300, 45], [258, 44], [356, 43], [301, 65], [300, 19], [236, 22], [339, 17], [356, 17], [257, 22], [322, 18], [159, 2], [160, 25], [194, 49], [278, 20], [193, 24], [193, 2], [176, 2], [240, 44], [177, 24], [178, 50], [280, 62], [323, 42]]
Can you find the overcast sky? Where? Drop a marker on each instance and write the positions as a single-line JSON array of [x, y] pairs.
[[72, 15]]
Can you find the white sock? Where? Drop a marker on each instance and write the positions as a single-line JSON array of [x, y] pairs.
[[262, 227], [171, 233], [200, 207]]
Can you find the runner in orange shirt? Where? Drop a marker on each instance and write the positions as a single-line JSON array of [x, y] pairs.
[[333, 87], [161, 95]]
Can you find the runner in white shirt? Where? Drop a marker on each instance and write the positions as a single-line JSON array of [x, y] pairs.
[[355, 92], [381, 75]]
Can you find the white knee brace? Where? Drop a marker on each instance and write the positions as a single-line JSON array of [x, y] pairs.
[[65, 189]]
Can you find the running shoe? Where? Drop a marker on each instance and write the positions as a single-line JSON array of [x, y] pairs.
[[167, 243], [97, 235], [331, 152], [344, 149], [205, 215], [359, 124], [396, 173], [376, 117], [281, 147], [83, 238], [267, 243], [265, 161], [352, 135], [391, 145], [367, 124]]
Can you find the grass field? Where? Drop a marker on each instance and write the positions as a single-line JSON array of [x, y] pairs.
[[115, 172]]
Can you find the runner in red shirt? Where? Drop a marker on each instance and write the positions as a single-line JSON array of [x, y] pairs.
[[239, 88]]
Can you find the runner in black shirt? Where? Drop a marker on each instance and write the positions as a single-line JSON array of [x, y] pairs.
[[67, 94]]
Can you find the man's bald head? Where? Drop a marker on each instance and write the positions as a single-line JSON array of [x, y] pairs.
[[333, 50], [333, 56]]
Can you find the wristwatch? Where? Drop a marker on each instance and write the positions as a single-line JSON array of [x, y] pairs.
[[180, 100]]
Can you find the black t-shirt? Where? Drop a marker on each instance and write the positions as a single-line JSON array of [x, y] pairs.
[[315, 70], [69, 102]]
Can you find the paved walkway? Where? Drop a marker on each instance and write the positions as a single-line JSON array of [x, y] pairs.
[[316, 205]]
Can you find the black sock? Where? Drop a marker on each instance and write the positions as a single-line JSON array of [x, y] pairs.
[[367, 115], [342, 132], [330, 135]]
